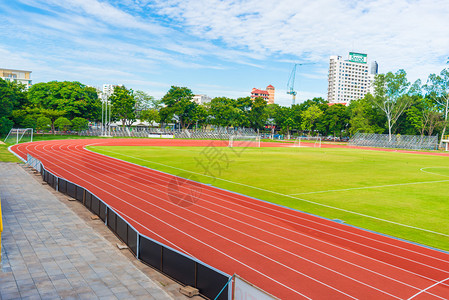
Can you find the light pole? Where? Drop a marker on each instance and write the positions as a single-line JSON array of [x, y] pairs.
[[105, 115]]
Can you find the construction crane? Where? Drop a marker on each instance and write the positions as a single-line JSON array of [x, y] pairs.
[[291, 82]]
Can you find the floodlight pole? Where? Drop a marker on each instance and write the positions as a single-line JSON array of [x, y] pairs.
[[102, 114], [31, 134], [110, 109]]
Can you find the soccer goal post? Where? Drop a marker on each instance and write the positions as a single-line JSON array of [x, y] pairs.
[[310, 141], [244, 141], [19, 135]]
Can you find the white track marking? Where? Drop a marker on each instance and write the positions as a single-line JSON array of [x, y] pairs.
[[192, 237], [371, 187], [429, 287], [137, 166], [272, 245], [288, 196], [326, 226], [166, 175], [321, 224]]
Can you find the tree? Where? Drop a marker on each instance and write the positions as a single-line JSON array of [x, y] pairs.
[[179, 106], [79, 124], [257, 116], [424, 117], [62, 123], [29, 122], [437, 88], [42, 123], [76, 99], [53, 115], [390, 96], [5, 126], [123, 105], [145, 102], [335, 119], [12, 96], [150, 115], [224, 112], [310, 117], [365, 116], [201, 115]]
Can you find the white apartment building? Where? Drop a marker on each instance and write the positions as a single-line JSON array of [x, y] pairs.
[[350, 79], [201, 99], [18, 76]]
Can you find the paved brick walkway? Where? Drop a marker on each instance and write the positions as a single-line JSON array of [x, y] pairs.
[[50, 252]]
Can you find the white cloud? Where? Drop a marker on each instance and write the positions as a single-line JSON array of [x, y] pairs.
[[398, 34]]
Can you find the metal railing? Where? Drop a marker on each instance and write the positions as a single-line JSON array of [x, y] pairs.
[[413, 142], [217, 133]]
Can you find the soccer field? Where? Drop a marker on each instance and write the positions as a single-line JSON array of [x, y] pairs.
[[399, 194]]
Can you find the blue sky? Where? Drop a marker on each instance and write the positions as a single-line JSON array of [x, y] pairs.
[[218, 48]]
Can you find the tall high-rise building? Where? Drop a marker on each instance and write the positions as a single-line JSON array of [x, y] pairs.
[[18, 76], [350, 79]]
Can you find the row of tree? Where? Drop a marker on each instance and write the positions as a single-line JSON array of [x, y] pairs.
[[396, 107]]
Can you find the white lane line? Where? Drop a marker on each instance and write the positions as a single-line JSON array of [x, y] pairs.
[[288, 196], [429, 287], [322, 224], [104, 163], [192, 237], [277, 210], [113, 166]]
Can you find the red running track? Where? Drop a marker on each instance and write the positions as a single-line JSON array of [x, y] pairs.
[[290, 254]]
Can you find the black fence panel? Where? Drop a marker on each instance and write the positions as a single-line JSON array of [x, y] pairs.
[[209, 282], [54, 184], [150, 252], [51, 180], [79, 193], [122, 230], [112, 220], [71, 189], [88, 200], [132, 240], [62, 186], [102, 213], [178, 267], [95, 205]]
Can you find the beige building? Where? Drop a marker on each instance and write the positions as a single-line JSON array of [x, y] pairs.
[[267, 94], [18, 76]]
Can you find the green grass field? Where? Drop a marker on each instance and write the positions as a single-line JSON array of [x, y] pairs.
[[370, 189], [5, 155]]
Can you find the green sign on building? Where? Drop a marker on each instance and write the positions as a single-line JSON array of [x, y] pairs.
[[357, 57]]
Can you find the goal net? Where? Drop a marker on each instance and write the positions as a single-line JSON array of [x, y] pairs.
[[244, 141], [19, 135], [311, 141]]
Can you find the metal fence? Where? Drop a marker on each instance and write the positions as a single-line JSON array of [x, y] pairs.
[[179, 266], [414, 142], [216, 133]]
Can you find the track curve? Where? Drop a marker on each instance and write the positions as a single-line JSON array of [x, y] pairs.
[[290, 254]]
